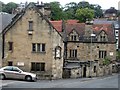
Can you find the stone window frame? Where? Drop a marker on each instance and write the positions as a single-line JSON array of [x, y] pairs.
[[10, 47], [73, 36], [103, 37], [58, 50], [30, 25], [38, 66], [102, 54], [73, 53], [39, 47]]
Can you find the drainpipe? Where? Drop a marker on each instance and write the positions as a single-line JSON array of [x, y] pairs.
[[3, 45]]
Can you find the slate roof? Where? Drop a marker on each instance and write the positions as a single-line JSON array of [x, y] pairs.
[[108, 28], [80, 28], [5, 19]]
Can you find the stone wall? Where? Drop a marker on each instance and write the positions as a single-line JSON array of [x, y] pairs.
[[22, 44]]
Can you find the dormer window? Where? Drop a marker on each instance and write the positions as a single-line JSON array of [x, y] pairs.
[[103, 37], [73, 36]]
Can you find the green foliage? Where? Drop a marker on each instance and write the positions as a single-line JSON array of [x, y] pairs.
[[56, 11], [9, 7], [106, 61], [70, 10], [118, 55], [1, 6], [84, 14]]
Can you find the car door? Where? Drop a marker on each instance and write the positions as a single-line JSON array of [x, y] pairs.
[[8, 72], [17, 73]]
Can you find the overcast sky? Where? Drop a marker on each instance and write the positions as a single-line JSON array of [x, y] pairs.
[[105, 4]]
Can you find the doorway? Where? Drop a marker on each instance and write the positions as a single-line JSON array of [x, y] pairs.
[[84, 71]]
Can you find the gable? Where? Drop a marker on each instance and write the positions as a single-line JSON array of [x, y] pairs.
[[30, 13]]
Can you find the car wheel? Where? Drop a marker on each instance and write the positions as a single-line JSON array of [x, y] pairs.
[[28, 78], [2, 77]]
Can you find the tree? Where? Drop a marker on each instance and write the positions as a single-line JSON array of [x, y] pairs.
[[70, 10], [83, 4], [97, 8], [56, 11], [84, 14], [98, 11], [9, 7], [1, 6]]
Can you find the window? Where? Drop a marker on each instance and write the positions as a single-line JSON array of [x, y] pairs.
[[10, 46], [102, 38], [8, 69], [10, 63], [33, 47], [15, 69], [30, 25], [94, 69], [38, 47], [102, 54], [73, 37], [58, 52], [73, 53], [36, 66]]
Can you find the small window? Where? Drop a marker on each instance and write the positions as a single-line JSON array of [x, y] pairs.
[[38, 47], [102, 54], [73, 53], [30, 25], [58, 52], [33, 47], [10, 63], [94, 69], [10, 46], [43, 47]]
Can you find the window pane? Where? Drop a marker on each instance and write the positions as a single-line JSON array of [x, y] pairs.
[[43, 47], [30, 25], [10, 46], [33, 66], [42, 66], [38, 47], [33, 47], [37, 66], [75, 53]]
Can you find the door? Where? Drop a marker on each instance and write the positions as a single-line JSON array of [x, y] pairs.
[[8, 72], [17, 73], [84, 71]]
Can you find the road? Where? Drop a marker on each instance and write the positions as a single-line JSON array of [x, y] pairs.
[[99, 82]]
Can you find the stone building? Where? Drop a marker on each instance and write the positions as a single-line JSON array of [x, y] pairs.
[[32, 43], [86, 48], [57, 49]]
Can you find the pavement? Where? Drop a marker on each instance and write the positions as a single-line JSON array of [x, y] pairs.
[[51, 83]]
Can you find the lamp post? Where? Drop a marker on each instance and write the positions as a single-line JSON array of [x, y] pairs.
[[91, 53]]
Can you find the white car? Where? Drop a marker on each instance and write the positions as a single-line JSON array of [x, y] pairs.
[[14, 72]]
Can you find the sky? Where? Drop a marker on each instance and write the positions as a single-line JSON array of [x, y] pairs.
[[105, 4]]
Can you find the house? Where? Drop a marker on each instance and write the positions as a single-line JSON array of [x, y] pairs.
[[116, 27], [111, 13], [57, 49], [32, 43], [86, 47]]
